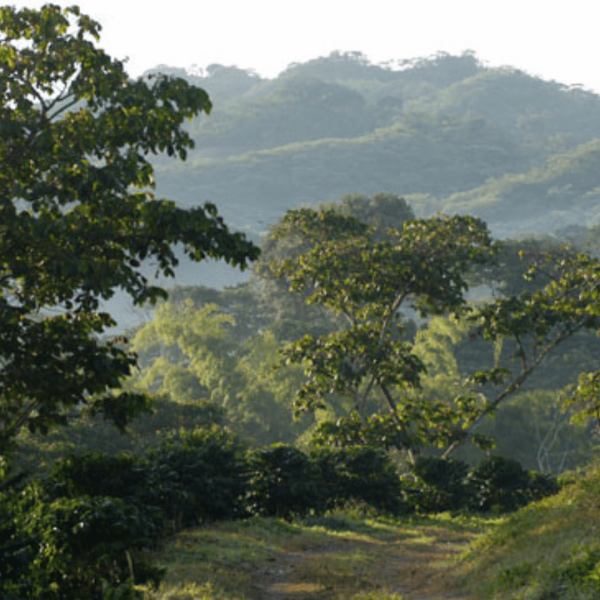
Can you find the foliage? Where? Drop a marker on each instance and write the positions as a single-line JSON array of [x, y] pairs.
[[547, 549], [38, 454], [363, 474], [193, 350], [368, 281], [534, 428], [94, 474], [537, 324], [74, 547], [186, 350], [381, 211], [499, 484], [530, 425], [83, 531], [79, 215], [200, 476], [193, 476], [496, 484], [382, 431], [437, 484], [288, 239], [586, 399], [282, 482]]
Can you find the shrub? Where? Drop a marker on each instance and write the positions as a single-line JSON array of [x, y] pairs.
[[283, 482], [200, 475], [500, 484], [82, 546], [437, 484], [542, 485], [96, 474], [128, 478], [360, 473]]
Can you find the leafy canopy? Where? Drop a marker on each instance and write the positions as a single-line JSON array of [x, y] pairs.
[[78, 214], [378, 371], [369, 280]]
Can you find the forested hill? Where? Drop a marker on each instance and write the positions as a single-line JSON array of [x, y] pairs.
[[446, 132]]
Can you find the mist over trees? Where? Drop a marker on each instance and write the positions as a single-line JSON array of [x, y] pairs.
[[445, 132], [417, 331]]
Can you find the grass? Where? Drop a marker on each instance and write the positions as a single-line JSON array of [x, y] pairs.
[[341, 555], [550, 549]]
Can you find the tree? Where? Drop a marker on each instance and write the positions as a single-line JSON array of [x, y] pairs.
[[194, 350], [532, 326], [380, 211], [78, 214], [428, 264], [368, 281]]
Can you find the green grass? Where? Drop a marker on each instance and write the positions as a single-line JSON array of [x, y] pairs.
[[550, 549], [342, 555]]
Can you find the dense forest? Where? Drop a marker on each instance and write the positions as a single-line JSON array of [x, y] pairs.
[[445, 132], [387, 302], [384, 143]]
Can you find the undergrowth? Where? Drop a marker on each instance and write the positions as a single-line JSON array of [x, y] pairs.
[[549, 549]]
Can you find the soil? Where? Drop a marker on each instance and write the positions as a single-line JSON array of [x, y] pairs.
[[413, 571]]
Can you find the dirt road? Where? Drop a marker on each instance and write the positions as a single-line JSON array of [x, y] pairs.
[[412, 568]]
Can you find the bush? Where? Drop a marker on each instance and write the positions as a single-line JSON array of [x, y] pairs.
[[200, 475], [82, 546], [542, 485], [500, 484], [360, 473], [95, 474], [128, 478], [437, 484], [283, 482], [81, 532]]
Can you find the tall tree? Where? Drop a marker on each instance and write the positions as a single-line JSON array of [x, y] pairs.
[[534, 325], [78, 214], [288, 239], [190, 352], [369, 281]]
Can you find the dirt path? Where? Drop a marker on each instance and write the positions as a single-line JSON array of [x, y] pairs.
[[417, 569]]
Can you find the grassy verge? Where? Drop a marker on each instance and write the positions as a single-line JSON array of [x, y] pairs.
[[550, 549], [343, 555]]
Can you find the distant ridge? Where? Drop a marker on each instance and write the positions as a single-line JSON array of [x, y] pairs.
[[447, 132]]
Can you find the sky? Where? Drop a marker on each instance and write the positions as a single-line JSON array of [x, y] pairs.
[[552, 39]]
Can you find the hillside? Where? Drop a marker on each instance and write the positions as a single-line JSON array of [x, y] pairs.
[[546, 550], [432, 129], [447, 132]]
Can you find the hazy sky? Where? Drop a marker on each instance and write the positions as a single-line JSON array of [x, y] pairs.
[[553, 39]]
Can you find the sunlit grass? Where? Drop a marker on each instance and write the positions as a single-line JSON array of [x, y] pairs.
[[548, 549], [342, 555]]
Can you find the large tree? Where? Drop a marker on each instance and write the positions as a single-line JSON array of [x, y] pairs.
[[379, 211], [370, 280], [78, 214], [371, 364]]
